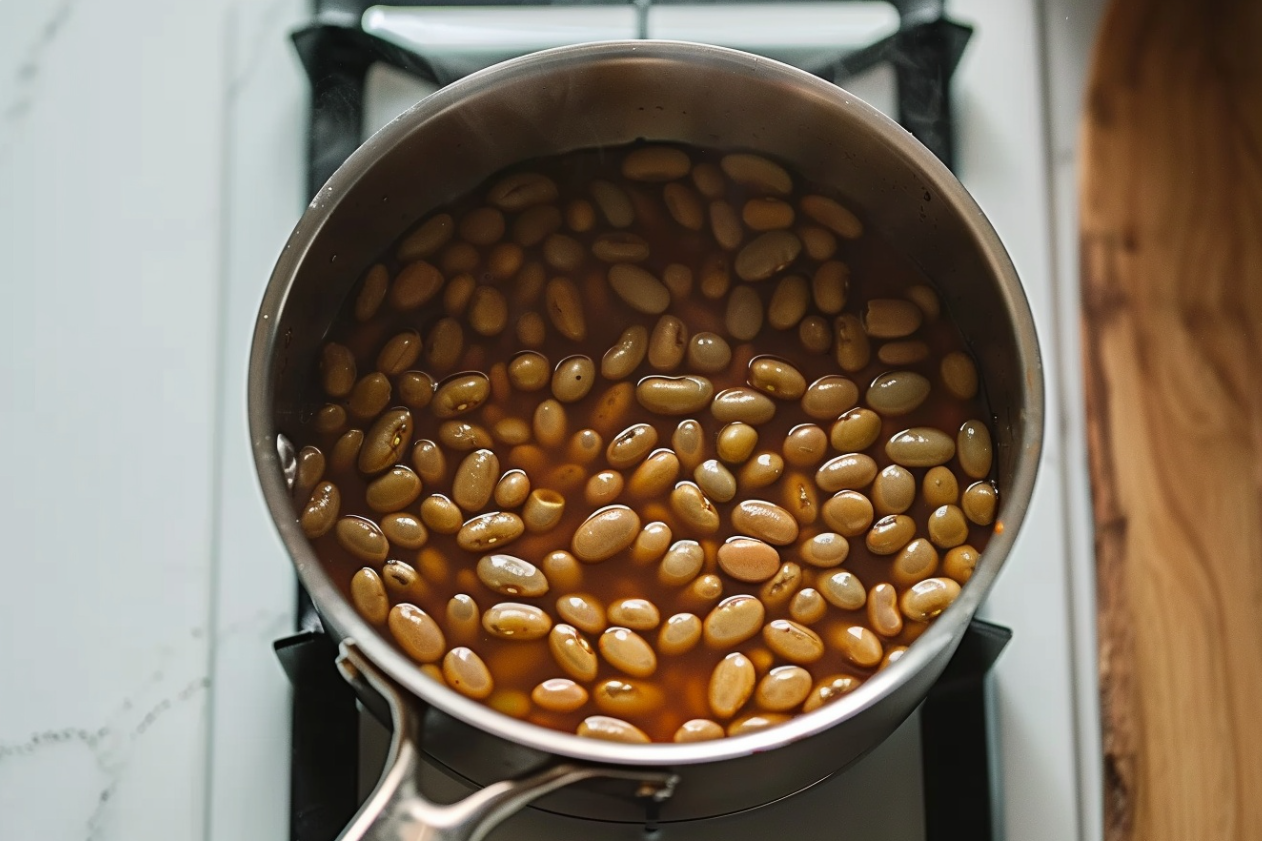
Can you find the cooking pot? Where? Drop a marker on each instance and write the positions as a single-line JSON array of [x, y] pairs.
[[606, 95]]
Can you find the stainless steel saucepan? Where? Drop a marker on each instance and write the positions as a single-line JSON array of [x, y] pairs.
[[606, 95]]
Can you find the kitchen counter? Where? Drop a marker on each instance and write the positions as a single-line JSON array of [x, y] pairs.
[[141, 699]]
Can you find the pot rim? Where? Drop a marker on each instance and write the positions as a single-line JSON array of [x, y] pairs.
[[340, 615]]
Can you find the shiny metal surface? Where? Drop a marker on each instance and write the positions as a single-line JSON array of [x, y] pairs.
[[610, 94]]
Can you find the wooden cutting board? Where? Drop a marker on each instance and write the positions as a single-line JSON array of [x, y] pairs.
[[1171, 216]]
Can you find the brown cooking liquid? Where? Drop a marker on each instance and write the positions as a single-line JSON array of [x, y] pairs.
[[877, 270]]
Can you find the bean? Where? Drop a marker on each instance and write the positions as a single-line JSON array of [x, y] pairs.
[[708, 179], [461, 393], [656, 163], [800, 499], [731, 684], [698, 729], [399, 353], [959, 375], [742, 404], [783, 688], [583, 611], [573, 378], [603, 488], [795, 643], [627, 652], [429, 236], [626, 355], [667, 343], [565, 308], [897, 393], [832, 216], [639, 289], [393, 490], [625, 697], [843, 590], [631, 445], [636, 614], [704, 590], [848, 513], [465, 672], [819, 243], [715, 480], [688, 442], [562, 570], [858, 644], [920, 446], [827, 549], [429, 461], [947, 527], [678, 279], [610, 729], [732, 621], [513, 621], [684, 206], [725, 225], [890, 533], [815, 334], [416, 389], [623, 248], [463, 618], [746, 559], [463, 436], [372, 293], [808, 606], [488, 311], [852, 349], [536, 224], [368, 595], [434, 565], [681, 563], [521, 190], [891, 318], [829, 689], [757, 173], [916, 561], [883, 616], [767, 254], [736, 442], [780, 589], [309, 470], [404, 530], [788, 303], [498, 528], [403, 581], [655, 475], [550, 423], [694, 509], [829, 396], [979, 503], [414, 286], [529, 371], [903, 353], [511, 431], [830, 286], [960, 562], [320, 513], [766, 521], [416, 633], [563, 253], [440, 514], [893, 490], [776, 377], [612, 408], [753, 722], [716, 276], [926, 299], [457, 294], [444, 344], [679, 635], [337, 370], [572, 652], [559, 695], [928, 598], [940, 487], [850, 471], [605, 533], [805, 445], [974, 448], [892, 655], [767, 214], [674, 395], [651, 543], [362, 538], [744, 314], [511, 576], [482, 226]]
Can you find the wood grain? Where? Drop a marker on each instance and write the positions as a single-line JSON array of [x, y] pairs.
[[1171, 216]]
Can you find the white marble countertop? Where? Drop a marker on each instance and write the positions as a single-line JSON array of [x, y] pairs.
[[123, 411]]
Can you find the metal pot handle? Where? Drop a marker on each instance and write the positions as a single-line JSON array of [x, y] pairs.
[[398, 811]]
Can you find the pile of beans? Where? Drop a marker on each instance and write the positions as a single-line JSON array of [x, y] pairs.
[[646, 444]]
